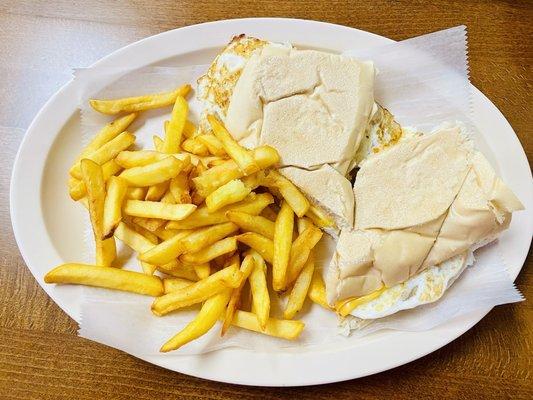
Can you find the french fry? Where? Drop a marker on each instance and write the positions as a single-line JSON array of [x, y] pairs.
[[158, 142], [139, 103], [198, 291], [282, 246], [165, 234], [77, 187], [179, 270], [107, 152], [319, 217], [153, 209], [317, 290], [299, 290], [189, 130], [206, 318], [202, 217], [230, 193], [105, 277], [179, 187], [195, 241], [153, 224], [301, 248], [139, 158], [252, 223], [173, 284], [152, 237], [345, 307], [259, 243], [152, 174], [269, 214], [239, 154], [132, 238], [112, 214], [289, 191], [202, 270], [174, 129], [258, 286], [136, 193], [213, 144], [156, 192], [211, 252], [303, 223], [148, 269], [285, 329], [94, 183], [195, 146]]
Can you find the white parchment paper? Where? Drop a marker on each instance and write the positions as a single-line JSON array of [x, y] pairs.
[[422, 81]]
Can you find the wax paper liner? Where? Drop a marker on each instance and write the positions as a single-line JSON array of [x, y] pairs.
[[423, 81]]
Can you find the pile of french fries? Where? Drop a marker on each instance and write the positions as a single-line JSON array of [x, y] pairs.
[[210, 216]]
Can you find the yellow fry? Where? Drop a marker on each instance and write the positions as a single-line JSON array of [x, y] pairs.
[[139, 103], [132, 238], [158, 142], [198, 291], [285, 329], [174, 129], [110, 278], [148, 269], [259, 243], [156, 192], [153, 209], [252, 223], [230, 193], [299, 290], [179, 187], [202, 270], [106, 153], [301, 248], [282, 246], [211, 252], [258, 286], [152, 237], [269, 214], [116, 192], [173, 284], [152, 174], [254, 204], [195, 146], [317, 290], [320, 217], [166, 234], [178, 270], [206, 318], [189, 130], [303, 223], [345, 307], [136, 193], [213, 144], [289, 191]]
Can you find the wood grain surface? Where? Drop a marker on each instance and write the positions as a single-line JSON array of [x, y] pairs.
[[41, 41]]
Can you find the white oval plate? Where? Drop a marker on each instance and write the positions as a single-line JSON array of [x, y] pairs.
[[48, 228]]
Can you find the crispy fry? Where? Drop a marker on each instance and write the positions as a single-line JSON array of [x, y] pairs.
[[282, 246], [152, 237], [139, 158], [198, 291], [230, 193], [153, 209], [136, 193], [156, 192], [253, 205], [213, 144], [317, 289], [173, 284], [195, 146], [189, 130], [179, 270], [252, 223], [110, 278], [77, 187], [239, 154], [206, 318], [301, 248], [345, 307], [320, 217], [258, 285], [132, 238], [153, 224], [285, 329], [107, 152], [148, 269], [158, 142], [116, 192], [139, 103], [166, 234], [174, 129], [259, 243], [269, 214], [209, 253], [299, 290], [152, 174], [303, 223], [289, 191], [179, 187], [172, 248]]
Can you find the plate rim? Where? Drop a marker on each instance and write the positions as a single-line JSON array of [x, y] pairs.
[[236, 24]]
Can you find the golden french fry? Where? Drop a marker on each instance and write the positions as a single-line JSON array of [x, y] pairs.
[[317, 290], [152, 237], [148, 269], [158, 142], [303, 223], [179, 187], [152, 174], [132, 238], [166, 234], [213, 144], [345, 307], [198, 291], [285, 329], [106, 252], [282, 246], [77, 188], [112, 213], [211, 252], [153, 209], [195, 241], [300, 250], [259, 243], [174, 129], [153, 224], [319, 217], [139, 103], [253, 205], [156, 192], [202, 270], [189, 130], [173, 284], [106, 153], [230, 193], [299, 290], [110, 278], [252, 223], [136, 193], [179, 270], [269, 214], [239, 154], [139, 158], [289, 191], [195, 146], [258, 286], [206, 318]]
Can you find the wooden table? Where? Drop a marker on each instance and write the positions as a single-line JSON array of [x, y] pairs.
[[40, 41]]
